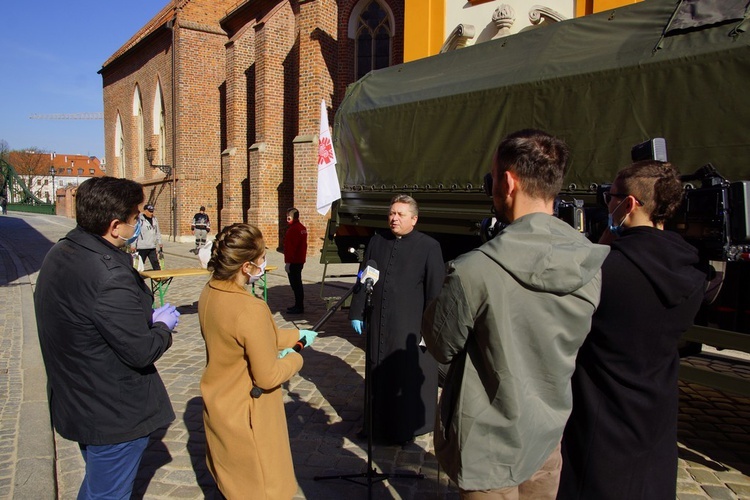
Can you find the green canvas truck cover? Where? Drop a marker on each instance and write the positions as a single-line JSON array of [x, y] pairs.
[[603, 83]]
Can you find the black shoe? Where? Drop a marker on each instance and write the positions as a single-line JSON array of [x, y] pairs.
[[295, 310]]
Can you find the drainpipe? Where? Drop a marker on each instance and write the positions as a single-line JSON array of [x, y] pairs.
[[171, 25]]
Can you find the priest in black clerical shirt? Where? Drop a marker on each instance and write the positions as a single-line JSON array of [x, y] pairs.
[[404, 375]]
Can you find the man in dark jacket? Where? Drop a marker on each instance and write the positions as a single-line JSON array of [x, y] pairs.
[[404, 375], [295, 254], [100, 338]]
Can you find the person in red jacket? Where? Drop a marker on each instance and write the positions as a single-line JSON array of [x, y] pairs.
[[295, 253]]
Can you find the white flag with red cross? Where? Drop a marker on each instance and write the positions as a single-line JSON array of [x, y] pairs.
[[328, 181]]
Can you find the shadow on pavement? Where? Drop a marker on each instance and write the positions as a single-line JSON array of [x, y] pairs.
[[27, 243], [196, 447], [714, 425], [156, 456]]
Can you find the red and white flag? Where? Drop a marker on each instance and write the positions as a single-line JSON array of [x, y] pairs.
[[328, 181]]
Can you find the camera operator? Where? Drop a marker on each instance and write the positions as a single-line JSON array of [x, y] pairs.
[[621, 439]]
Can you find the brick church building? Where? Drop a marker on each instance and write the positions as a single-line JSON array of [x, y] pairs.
[[224, 97]]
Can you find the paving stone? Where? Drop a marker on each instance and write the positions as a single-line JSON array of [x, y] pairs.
[[324, 408], [719, 492], [742, 490], [703, 476]]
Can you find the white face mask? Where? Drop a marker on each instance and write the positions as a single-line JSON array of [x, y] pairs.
[[256, 277]]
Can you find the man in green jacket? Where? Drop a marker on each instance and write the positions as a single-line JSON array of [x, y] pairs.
[[509, 320]]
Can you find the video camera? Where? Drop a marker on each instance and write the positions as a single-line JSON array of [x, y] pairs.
[[714, 216]]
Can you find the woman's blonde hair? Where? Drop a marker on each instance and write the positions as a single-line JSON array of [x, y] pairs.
[[233, 246]]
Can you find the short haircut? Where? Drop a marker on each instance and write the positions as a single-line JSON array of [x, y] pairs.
[[538, 159], [656, 184], [294, 213], [100, 200], [405, 198], [233, 246]]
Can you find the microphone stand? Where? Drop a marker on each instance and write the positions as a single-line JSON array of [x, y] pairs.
[[371, 475]]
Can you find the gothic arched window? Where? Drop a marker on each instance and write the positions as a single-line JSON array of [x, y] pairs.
[[373, 35]]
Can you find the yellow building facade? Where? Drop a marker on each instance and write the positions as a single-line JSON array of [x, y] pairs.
[[432, 25]]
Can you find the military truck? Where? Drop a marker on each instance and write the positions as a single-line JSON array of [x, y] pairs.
[[603, 83]]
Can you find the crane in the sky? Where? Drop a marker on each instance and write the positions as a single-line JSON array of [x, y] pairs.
[[97, 115]]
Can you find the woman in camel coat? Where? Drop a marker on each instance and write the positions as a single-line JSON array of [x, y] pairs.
[[247, 443]]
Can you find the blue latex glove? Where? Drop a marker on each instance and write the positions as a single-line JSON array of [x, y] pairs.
[[285, 352], [309, 336], [166, 314], [358, 325]]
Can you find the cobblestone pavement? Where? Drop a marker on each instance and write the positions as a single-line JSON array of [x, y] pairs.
[[324, 410]]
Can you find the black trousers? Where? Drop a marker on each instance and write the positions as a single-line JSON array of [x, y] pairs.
[[295, 280], [152, 257]]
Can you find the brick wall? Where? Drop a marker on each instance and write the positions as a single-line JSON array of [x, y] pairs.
[[248, 107], [201, 74]]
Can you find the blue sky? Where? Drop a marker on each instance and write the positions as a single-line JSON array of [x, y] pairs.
[[50, 52]]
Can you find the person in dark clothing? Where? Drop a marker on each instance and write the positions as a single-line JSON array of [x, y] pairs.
[[621, 438], [404, 375], [100, 339], [201, 226], [295, 254]]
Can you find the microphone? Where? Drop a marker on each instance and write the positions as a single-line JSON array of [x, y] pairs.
[[301, 343], [370, 275]]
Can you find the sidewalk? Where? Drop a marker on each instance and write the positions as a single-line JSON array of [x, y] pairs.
[[323, 405]]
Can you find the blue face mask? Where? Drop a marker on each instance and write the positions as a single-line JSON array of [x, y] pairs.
[[619, 228], [136, 233]]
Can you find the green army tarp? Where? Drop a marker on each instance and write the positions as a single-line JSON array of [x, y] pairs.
[[604, 83]]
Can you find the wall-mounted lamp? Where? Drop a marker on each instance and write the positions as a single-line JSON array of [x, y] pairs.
[[167, 169]]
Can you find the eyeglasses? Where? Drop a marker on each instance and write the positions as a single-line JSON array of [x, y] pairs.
[[488, 184], [608, 195]]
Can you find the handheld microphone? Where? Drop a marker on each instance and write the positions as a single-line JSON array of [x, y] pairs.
[[301, 343], [370, 274]]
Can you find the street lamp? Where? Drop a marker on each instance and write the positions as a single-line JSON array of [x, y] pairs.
[[167, 169], [54, 191]]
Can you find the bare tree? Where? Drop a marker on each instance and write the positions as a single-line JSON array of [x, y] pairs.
[[32, 165], [4, 150]]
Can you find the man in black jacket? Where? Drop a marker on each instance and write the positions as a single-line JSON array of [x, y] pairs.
[[100, 339]]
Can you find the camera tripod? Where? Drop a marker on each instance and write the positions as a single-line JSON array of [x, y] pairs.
[[371, 476]]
